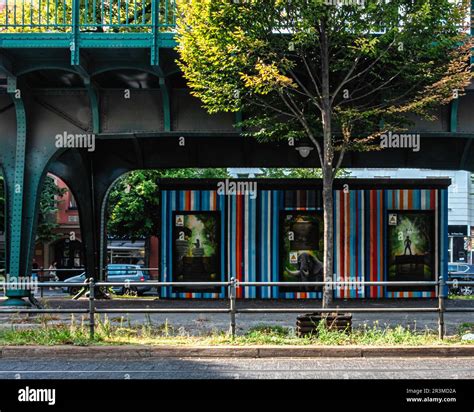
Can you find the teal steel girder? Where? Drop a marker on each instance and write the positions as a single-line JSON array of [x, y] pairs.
[[16, 191], [88, 40], [156, 43], [75, 50], [17, 212]]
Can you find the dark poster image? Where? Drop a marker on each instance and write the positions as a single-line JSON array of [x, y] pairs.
[[411, 244], [302, 243], [196, 250]]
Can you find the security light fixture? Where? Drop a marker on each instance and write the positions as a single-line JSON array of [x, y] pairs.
[[304, 150]]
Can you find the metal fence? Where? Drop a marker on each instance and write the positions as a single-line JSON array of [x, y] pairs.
[[91, 286], [87, 15]]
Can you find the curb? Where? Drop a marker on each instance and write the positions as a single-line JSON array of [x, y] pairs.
[[142, 352]]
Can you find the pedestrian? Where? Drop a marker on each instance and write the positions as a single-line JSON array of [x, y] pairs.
[[52, 273]]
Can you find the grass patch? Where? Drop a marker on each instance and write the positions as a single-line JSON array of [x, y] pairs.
[[466, 327], [124, 333], [461, 297]]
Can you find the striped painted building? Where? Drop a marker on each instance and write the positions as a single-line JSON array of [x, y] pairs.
[[248, 236]]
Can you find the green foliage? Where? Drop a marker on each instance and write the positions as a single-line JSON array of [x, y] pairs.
[[133, 207], [270, 58], [298, 173], [50, 197]]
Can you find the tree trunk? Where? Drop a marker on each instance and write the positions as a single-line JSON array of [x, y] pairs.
[[328, 202], [327, 167]]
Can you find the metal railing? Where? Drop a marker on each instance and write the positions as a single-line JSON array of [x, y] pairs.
[[92, 15], [91, 285]]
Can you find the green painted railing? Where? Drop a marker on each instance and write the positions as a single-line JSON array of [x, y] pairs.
[[92, 15]]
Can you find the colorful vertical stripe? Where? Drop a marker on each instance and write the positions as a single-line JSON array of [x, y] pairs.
[[250, 236], [349, 243], [241, 248]]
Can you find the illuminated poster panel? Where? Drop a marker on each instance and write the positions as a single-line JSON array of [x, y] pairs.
[[302, 243], [411, 243], [196, 250]]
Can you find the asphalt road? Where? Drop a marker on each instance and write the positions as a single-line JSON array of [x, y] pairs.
[[373, 368]]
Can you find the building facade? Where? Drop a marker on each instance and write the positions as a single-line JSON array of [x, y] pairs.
[[66, 249]]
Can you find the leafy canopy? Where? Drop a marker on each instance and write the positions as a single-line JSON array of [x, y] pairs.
[[133, 207], [383, 62]]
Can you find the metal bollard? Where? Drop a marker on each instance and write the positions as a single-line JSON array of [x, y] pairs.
[[441, 306], [232, 296], [91, 308]]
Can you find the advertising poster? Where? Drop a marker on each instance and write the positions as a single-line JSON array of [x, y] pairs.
[[302, 243], [411, 244], [196, 249]]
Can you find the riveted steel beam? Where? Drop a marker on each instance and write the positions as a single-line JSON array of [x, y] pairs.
[[75, 50], [156, 41], [16, 192]]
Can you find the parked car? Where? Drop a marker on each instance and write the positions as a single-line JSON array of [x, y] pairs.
[[116, 273], [461, 272]]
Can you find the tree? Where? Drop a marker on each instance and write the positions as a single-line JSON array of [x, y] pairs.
[[133, 207], [336, 76], [49, 200]]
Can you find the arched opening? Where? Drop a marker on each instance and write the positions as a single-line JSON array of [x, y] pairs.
[[133, 215], [58, 247]]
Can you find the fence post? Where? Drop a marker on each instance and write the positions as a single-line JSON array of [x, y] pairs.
[[91, 308], [232, 296], [40, 278], [441, 306]]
